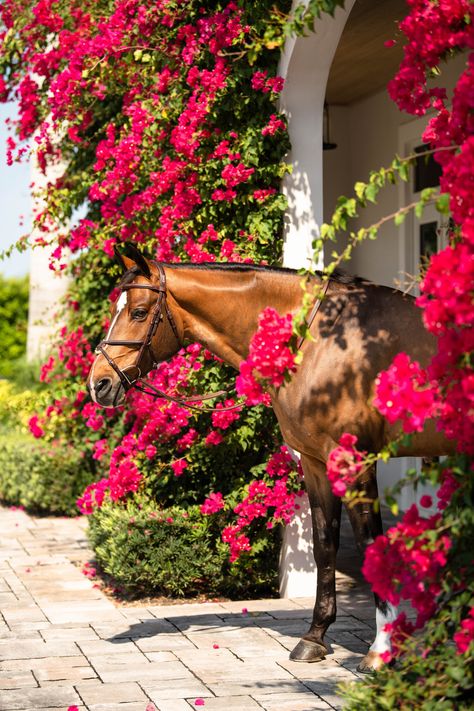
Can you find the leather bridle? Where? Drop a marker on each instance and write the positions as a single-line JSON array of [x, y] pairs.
[[145, 344]]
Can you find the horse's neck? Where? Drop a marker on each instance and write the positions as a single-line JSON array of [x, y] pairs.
[[220, 308]]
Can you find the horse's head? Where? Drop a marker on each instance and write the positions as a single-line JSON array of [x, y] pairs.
[[142, 332]]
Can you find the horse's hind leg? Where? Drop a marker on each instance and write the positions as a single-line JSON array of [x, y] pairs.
[[367, 525], [326, 517]]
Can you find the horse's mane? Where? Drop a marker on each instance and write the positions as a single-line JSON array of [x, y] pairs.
[[338, 275]]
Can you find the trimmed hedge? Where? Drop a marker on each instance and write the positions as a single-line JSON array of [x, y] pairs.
[[41, 478], [152, 551]]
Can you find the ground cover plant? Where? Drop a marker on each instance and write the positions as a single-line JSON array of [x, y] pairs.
[[139, 101]]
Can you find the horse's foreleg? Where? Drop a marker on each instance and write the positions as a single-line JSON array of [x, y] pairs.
[[367, 525], [326, 518]]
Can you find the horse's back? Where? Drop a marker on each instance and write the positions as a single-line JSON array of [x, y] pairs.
[[358, 331]]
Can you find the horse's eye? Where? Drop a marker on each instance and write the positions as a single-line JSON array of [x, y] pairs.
[[139, 314]]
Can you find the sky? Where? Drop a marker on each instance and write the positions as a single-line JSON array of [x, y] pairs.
[[14, 202]]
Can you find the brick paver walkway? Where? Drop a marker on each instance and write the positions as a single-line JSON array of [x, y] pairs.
[[63, 643]]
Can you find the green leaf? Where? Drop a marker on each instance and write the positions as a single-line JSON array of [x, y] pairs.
[[371, 192], [442, 203]]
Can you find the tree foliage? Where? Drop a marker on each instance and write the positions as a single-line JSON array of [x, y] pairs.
[[13, 321]]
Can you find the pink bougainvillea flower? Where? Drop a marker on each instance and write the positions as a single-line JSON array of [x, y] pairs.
[[345, 464], [178, 466], [449, 484], [214, 438], [214, 502], [405, 563], [270, 358], [403, 392], [426, 501], [464, 637]]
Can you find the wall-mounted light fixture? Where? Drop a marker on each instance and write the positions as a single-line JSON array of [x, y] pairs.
[[327, 144]]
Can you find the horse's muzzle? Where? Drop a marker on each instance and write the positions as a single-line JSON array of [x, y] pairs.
[[107, 392]]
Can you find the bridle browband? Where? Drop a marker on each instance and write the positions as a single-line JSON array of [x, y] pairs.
[[145, 345]]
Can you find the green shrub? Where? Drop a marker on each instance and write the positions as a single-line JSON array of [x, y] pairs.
[[41, 478], [17, 406], [13, 321], [148, 550]]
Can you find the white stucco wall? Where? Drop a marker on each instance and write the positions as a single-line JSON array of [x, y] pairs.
[[46, 287], [369, 133], [305, 66]]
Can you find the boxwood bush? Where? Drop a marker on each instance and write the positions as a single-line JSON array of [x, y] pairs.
[[41, 478], [177, 552]]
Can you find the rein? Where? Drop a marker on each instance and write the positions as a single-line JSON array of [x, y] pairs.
[[146, 345], [313, 313]]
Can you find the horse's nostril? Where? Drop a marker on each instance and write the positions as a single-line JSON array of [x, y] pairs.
[[103, 386]]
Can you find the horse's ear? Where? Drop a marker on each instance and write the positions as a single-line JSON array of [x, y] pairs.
[[119, 259], [132, 257]]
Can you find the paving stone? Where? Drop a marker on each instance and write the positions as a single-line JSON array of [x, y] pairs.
[[146, 628], [266, 605], [94, 692], [292, 702], [186, 688], [328, 692], [224, 666], [7, 597], [259, 687], [60, 708], [23, 614], [36, 626], [127, 706], [34, 649], [97, 647], [35, 699], [229, 703], [15, 633], [76, 633], [185, 609], [326, 671], [175, 705], [55, 668], [104, 660], [16, 679], [112, 672], [80, 612], [164, 643]]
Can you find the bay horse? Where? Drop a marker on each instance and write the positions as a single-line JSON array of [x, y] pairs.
[[357, 330]]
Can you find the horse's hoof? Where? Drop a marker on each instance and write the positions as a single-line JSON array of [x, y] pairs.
[[371, 662], [306, 651]]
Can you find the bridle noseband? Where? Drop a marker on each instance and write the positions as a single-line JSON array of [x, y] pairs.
[[145, 344]]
